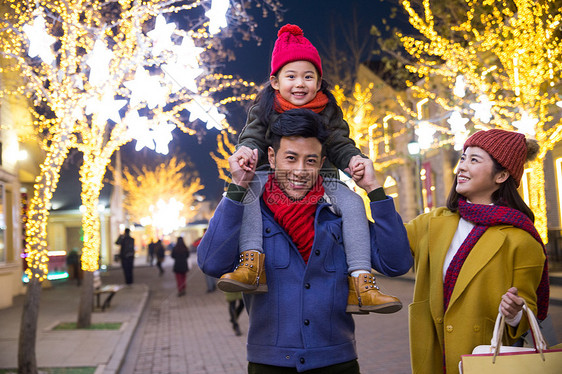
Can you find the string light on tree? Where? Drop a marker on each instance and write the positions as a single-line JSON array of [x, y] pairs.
[[458, 128], [138, 128], [460, 86], [507, 54], [187, 52], [40, 41], [425, 132], [162, 136], [161, 36], [526, 124], [147, 89], [182, 76], [98, 61], [88, 51], [483, 109], [159, 198], [217, 15], [204, 110], [166, 215], [106, 107]]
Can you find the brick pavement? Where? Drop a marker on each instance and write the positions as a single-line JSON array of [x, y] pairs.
[[192, 334]]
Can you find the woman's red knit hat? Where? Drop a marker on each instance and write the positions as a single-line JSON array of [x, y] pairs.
[[509, 148], [291, 45]]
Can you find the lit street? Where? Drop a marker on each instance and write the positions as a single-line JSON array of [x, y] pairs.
[[134, 130], [192, 334]]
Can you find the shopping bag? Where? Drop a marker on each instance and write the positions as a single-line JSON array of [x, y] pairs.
[[498, 359]]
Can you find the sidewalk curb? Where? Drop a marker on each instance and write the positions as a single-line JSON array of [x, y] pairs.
[[118, 357]]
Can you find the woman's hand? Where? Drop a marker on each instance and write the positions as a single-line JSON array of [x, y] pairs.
[[511, 304]]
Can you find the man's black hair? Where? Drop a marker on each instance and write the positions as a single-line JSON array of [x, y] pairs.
[[298, 122]]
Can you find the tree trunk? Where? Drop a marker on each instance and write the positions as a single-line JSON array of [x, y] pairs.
[[36, 250], [86, 301], [91, 175], [27, 362]]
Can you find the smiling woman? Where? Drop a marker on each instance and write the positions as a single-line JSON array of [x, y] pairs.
[[485, 254], [478, 177]]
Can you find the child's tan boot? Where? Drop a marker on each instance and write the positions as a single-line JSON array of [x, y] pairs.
[[365, 296], [249, 275]]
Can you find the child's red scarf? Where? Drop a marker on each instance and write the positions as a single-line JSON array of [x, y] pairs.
[[296, 217], [317, 104]]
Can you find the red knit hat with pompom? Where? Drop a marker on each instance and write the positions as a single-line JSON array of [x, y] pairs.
[[291, 45], [509, 148]]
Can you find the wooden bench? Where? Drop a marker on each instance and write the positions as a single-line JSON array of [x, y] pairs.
[[109, 289]]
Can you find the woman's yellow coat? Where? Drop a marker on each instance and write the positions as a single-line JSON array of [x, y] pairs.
[[504, 257]]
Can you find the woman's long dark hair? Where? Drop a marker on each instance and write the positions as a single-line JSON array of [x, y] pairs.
[[266, 98], [180, 245], [506, 195]]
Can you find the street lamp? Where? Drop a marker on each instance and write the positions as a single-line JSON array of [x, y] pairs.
[[415, 151]]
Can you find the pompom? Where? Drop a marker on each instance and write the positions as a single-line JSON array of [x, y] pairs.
[[532, 149], [293, 29]]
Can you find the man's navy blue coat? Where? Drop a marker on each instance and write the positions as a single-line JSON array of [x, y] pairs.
[[301, 321]]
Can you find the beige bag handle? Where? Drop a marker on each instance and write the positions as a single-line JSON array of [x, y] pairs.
[[499, 329]]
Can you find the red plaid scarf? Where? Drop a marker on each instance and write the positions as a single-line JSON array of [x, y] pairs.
[[317, 104], [485, 216], [296, 217]]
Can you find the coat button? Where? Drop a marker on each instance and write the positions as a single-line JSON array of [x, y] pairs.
[[306, 322], [449, 328], [476, 328], [439, 320], [268, 230], [307, 286], [317, 252], [302, 360]]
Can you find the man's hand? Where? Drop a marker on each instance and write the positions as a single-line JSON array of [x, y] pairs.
[[243, 166], [511, 304], [363, 173]]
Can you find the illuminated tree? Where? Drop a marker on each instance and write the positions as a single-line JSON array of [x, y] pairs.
[[225, 148], [162, 197], [499, 65], [369, 128], [100, 73]]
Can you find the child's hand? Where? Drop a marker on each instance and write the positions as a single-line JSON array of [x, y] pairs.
[[511, 304], [363, 173], [243, 165], [356, 167]]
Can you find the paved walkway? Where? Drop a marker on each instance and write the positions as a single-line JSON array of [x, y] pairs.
[[188, 334], [103, 349], [192, 334]]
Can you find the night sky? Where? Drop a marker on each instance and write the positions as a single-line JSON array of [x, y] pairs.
[[315, 17]]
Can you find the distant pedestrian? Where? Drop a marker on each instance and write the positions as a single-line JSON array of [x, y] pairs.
[[180, 254], [150, 258], [235, 307], [73, 266], [210, 281], [159, 251], [127, 254]]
